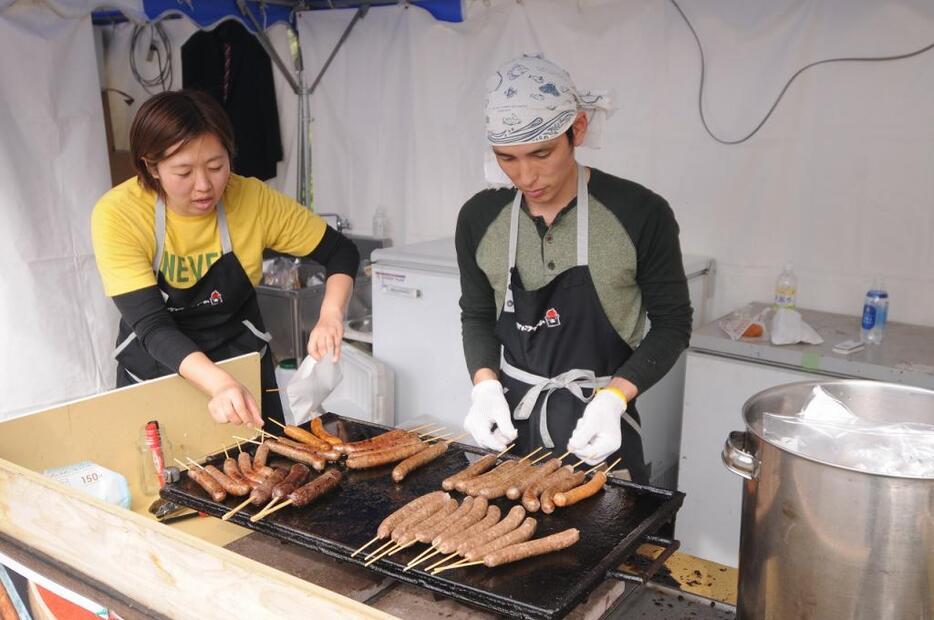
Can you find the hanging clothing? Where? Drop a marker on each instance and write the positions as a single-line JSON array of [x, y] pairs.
[[230, 64], [558, 348], [220, 314]]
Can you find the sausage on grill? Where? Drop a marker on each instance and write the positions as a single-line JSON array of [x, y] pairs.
[[518, 487], [530, 495], [298, 455], [540, 546], [422, 457], [475, 514], [233, 471], [429, 528], [417, 517], [316, 488], [511, 521], [300, 434], [262, 454], [262, 493], [229, 484], [547, 498], [489, 520], [588, 489], [480, 466], [385, 527], [209, 484], [317, 427], [374, 443], [498, 487], [474, 484], [518, 535], [383, 457], [296, 477]]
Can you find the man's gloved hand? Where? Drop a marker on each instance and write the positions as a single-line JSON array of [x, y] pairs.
[[488, 407], [597, 434]]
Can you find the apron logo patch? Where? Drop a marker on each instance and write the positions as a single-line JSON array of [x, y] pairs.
[[215, 298], [552, 319]]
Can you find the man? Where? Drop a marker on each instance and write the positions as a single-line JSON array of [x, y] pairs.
[[560, 275]]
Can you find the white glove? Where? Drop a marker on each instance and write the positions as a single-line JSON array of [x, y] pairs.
[[597, 434], [488, 407]]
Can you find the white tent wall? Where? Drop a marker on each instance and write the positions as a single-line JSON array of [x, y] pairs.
[[115, 44], [837, 181], [56, 326]]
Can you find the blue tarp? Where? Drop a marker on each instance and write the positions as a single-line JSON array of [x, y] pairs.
[[208, 13]]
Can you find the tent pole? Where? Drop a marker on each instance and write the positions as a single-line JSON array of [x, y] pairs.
[[267, 45], [360, 14]]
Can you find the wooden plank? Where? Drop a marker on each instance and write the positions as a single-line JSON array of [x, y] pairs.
[[170, 572]]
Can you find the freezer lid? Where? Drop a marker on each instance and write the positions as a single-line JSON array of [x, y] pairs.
[[436, 255]]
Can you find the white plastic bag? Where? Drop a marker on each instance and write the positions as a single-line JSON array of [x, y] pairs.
[[789, 328], [737, 323], [310, 385], [95, 480]]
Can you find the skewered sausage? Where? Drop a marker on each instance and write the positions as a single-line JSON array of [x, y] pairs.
[[548, 495], [476, 512], [417, 516], [261, 494], [429, 528], [588, 489], [518, 487], [245, 463], [229, 484], [298, 455], [316, 488], [446, 522], [489, 520], [530, 495], [407, 466], [497, 488], [473, 470], [233, 471], [385, 527], [330, 455], [373, 443], [262, 454], [317, 427], [540, 546], [475, 483], [211, 486], [511, 521], [297, 475], [518, 535], [300, 434], [383, 457]]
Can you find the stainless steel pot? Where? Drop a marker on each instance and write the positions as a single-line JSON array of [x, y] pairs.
[[822, 541]]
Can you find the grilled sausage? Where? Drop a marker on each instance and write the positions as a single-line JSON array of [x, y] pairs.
[[329, 455], [518, 487], [518, 535], [465, 486], [478, 467], [229, 484], [262, 454], [450, 544], [298, 455], [476, 512], [385, 527], [417, 516], [262, 493], [511, 521], [383, 457], [311, 491], [245, 463], [547, 499], [588, 489], [531, 494], [454, 516], [373, 443], [497, 488], [540, 546], [407, 466], [300, 434], [317, 427], [233, 471], [211, 486], [429, 528], [296, 477]]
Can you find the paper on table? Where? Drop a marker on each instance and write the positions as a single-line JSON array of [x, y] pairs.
[[312, 383]]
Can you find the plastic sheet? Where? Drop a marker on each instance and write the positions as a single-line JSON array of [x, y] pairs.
[[827, 430]]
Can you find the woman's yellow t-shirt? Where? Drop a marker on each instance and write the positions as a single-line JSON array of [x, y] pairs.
[[258, 217]]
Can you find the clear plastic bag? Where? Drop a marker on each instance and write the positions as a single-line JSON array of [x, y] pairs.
[[282, 273], [745, 323], [828, 431]]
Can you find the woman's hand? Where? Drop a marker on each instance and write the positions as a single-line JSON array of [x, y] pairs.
[[233, 403], [327, 335]]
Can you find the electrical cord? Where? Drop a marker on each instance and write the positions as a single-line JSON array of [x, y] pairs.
[[700, 94], [163, 78]]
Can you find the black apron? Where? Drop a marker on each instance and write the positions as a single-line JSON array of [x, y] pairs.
[[558, 348], [219, 313]]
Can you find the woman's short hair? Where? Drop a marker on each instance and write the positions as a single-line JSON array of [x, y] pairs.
[[174, 118]]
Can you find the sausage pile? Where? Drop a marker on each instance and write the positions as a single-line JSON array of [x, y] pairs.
[[473, 530]]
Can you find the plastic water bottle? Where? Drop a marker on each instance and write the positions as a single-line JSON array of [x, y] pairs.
[[875, 313], [380, 223], [786, 288]]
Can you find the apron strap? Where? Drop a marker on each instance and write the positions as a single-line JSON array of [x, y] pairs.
[[160, 232], [513, 245], [574, 380]]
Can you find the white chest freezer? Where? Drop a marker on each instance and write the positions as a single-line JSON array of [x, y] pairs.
[[417, 333]]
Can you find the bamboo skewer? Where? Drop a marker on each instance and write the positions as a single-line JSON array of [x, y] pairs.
[[615, 463], [278, 423], [455, 563], [538, 449], [245, 440], [379, 549], [507, 449], [272, 390], [412, 430], [431, 432], [395, 547], [541, 458], [262, 511], [226, 454], [184, 467], [594, 468], [239, 449], [446, 558], [398, 548], [195, 463], [234, 511], [372, 540], [287, 502], [459, 565], [421, 557], [561, 458]]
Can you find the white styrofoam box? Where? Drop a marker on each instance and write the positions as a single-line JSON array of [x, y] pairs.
[[365, 392]]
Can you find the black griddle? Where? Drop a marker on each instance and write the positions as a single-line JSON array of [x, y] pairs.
[[612, 525]]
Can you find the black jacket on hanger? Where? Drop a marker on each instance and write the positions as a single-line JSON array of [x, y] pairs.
[[249, 97]]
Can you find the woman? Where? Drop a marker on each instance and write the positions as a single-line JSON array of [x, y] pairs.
[[180, 246]]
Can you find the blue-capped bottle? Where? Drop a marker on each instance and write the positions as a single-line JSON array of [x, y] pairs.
[[875, 313]]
